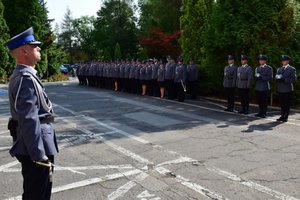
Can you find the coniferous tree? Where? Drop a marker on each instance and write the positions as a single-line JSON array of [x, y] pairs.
[[22, 14]]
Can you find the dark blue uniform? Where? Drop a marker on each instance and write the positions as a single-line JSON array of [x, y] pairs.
[[285, 77]]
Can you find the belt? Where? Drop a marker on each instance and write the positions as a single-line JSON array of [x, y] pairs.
[[46, 119], [243, 79]]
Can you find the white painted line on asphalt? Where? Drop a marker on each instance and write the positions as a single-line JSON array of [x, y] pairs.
[[5, 148], [112, 145], [88, 182], [95, 180], [141, 140], [125, 188], [5, 136], [177, 161], [136, 157], [142, 160], [251, 184], [8, 165], [83, 168], [196, 187]]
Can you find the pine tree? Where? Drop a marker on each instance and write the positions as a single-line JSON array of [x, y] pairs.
[[194, 23]]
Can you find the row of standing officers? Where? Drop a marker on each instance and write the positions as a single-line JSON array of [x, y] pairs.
[[243, 76], [151, 77]]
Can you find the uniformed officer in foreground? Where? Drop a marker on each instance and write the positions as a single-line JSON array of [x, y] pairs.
[[263, 76], [285, 77], [244, 80], [32, 116], [229, 82]]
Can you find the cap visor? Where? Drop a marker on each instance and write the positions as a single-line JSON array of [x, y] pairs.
[[35, 42]]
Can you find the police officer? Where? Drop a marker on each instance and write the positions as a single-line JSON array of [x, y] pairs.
[[263, 76], [229, 82], [180, 80], [244, 80], [192, 78], [285, 76], [169, 77], [161, 79], [32, 116], [155, 67]]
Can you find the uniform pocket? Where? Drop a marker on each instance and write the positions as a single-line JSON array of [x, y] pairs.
[[47, 129]]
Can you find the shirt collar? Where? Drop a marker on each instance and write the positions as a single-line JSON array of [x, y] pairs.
[[29, 69], [286, 66]]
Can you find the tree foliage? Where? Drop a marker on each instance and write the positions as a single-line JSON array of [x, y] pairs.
[[159, 18], [115, 23], [238, 27], [4, 58], [22, 14]]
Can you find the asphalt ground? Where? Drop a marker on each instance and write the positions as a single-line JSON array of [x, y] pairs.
[[115, 145]]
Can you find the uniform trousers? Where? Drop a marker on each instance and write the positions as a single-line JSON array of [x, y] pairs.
[[230, 97], [285, 103], [192, 88], [36, 180], [262, 100], [170, 88], [180, 93], [244, 98]]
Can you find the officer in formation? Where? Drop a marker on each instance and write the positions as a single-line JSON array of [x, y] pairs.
[[263, 76], [285, 77], [229, 82], [244, 80], [143, 78], [192, 78], [180, 79], [31, 119]]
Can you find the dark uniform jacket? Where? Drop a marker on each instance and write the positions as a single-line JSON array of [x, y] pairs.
[[288, 74], [34, 139], [230, 76], [244, 77], [180, 73], [263, 74], [192, 72]]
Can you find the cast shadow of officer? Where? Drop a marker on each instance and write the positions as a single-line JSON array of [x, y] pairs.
[[261, 127]]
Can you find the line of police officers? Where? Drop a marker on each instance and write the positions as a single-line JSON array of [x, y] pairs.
[[242, 78], [150, 77]]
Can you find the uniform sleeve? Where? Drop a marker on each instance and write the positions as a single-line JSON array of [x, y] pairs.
[[27, 111], [292, 76], [250, 77], [234, 82]]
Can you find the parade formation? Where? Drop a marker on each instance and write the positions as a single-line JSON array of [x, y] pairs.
[[175, 79]]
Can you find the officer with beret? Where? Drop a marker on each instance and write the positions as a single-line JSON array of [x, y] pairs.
[[285, 77], [244, 80], [180, 80], [32, 116], [263, 76], [229, 82]]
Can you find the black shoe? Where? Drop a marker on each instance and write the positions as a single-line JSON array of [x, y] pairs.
[[280, 119], [258, 115], [246, 112], [241, 112]]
